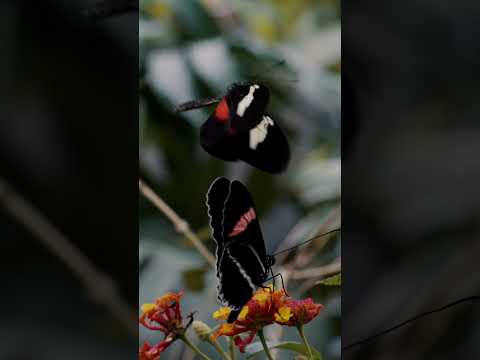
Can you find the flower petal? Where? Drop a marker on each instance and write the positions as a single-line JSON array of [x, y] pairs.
[[222, 313]]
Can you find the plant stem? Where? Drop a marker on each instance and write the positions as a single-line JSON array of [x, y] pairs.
[[264, 343], [181, 226], [305, 341], [219, 348], [192, 346], [231, 347]]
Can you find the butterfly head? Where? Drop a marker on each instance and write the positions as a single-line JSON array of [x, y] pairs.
[[270, 261]]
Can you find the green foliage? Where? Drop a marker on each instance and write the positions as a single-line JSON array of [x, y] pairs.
[[335, 280]]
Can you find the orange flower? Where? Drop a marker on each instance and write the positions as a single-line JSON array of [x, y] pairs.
[[257, 313], [164, 315], [297, 312]]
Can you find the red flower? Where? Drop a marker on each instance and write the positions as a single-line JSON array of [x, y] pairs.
[[165, 316], [297, 312], [242, 343], [149, 352]]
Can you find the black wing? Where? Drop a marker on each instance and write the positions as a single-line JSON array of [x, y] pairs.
[[216, 199], [247, 103], [241, 253], [265, 147], [216, 139], [234, 288], [242, 233]]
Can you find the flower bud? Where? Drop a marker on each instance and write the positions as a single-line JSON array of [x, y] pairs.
[[202, 330]]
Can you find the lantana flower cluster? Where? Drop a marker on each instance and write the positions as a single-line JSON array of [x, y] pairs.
[[264, 308]]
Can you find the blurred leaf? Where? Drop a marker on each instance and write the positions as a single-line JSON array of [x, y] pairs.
[[317, 179], [194, 278], [335, 280], [336, 67]]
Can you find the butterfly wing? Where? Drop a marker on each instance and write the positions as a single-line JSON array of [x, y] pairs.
[[234, 288], [240, 129], [216, 139], [243, 236], [265, 146], [259, 140], [216, 199], [241, 253]]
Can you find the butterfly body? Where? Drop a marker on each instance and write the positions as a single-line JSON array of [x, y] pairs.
[[240, 129], [242, 260]]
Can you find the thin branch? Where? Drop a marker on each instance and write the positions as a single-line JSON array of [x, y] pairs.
[[102, 288], [181, 226], [317, 272]]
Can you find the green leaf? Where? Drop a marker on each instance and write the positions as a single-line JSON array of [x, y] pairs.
[[299, 348], [335, 280]]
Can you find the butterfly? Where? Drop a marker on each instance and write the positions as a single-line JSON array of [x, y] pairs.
[[240, 128], [242, 260]]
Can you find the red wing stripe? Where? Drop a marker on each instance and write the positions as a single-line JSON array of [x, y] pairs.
[[242, 224]]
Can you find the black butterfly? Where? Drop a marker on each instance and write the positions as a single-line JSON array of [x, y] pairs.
[[242, 260], [240, 129]]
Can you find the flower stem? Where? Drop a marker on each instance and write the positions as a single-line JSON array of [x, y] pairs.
[[305, 341], [231, 347], [220, 350], [192, 346], [264, 343]]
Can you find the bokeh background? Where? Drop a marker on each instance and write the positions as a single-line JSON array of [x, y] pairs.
[[68, 145], [196, 49], [410, 175]]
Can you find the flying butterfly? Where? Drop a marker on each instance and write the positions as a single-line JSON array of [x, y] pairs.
[[240, 128], [243, 264]]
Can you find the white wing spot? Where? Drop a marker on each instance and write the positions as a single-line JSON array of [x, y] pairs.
[[246, 101], [259, 133]]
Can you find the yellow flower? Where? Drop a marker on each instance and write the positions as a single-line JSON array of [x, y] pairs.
[[146, 308], [224, 329], [243, 313], [222, 313], [284, 314], [261, 296]]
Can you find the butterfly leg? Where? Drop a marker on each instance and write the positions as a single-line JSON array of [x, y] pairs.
[[281, 279]]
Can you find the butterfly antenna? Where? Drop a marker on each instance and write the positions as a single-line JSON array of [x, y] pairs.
[[268, 70], [306, 241], [196, 104], [408, 321]]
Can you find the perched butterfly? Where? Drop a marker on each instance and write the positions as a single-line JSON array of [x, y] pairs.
[[242, 260], [240, 128]]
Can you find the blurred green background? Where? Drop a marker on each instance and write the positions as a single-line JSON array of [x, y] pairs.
[[194, 49]]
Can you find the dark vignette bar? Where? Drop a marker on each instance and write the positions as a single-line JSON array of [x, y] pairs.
[[68, 182], [410, 171]]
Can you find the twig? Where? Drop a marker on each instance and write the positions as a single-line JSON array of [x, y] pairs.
[[317, 272], [181, 226], [100, 285]]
